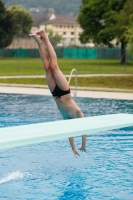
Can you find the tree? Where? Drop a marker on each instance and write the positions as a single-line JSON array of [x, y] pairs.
[[128, 35], [123, 22], [54, 39], [6, 27], [66, 7], [23, 20], [103, 21]]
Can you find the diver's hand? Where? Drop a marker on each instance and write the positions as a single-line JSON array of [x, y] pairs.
[[83, 149], [75, 152]]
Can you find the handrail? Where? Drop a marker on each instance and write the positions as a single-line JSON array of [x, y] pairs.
[[76, 80]]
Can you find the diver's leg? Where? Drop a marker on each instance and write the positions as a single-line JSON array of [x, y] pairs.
[[58, 75], [46, 62]]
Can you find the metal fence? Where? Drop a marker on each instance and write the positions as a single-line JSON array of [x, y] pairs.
[[78, 53]]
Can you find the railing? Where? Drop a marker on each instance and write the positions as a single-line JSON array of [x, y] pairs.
[[76, 81]]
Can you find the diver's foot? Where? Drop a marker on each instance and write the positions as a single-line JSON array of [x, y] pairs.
[[43, 35], [37, 38]]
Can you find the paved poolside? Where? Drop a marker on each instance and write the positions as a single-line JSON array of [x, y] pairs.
[[43, 91]]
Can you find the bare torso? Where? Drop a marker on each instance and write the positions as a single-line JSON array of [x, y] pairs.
[[68, 107]]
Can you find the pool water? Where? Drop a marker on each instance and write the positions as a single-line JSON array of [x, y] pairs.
[[50, 171]]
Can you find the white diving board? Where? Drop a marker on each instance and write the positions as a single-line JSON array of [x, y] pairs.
[[36, 133]]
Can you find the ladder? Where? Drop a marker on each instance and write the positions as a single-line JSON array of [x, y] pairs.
[[76, 81]]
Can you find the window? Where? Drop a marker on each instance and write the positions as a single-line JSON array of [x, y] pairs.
[[60, 26], [72, 33], [64, 33]]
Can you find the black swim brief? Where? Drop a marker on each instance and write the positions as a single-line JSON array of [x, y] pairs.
[[58, 92]]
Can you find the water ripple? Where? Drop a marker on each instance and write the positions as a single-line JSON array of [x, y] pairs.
[[50, 170]]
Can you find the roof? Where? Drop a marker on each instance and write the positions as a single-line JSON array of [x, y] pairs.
[[61, 19], [39, 18]]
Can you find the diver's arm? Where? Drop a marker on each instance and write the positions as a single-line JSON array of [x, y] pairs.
[[71, 140], [84, 137]]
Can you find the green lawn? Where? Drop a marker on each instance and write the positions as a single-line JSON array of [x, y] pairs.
[[124, 82], [33, 66]]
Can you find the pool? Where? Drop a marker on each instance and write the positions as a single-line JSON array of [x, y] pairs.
[[50, 171]]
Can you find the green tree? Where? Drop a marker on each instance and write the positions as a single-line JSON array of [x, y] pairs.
[[103, 21], [60, 6], [123, 22], [54, 38], [23, 20], [6, 27], [128, 35]]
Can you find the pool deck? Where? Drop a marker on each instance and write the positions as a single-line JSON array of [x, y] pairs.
[[28, 89]]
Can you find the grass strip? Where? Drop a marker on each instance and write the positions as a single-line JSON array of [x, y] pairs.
[[122, 82], [33, 66]]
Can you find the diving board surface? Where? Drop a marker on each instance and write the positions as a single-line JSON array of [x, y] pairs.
[[41, 132]]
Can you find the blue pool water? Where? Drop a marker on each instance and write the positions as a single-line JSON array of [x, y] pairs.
[[49, 171]]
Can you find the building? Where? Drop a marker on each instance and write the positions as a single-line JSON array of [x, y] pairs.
[[66, 26]]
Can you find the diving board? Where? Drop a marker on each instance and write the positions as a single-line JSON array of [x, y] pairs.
[[41, 132]]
